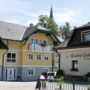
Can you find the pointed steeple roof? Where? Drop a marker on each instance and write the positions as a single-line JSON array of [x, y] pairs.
[[51, 13]]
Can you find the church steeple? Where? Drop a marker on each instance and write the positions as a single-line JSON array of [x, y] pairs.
[[51, 13]]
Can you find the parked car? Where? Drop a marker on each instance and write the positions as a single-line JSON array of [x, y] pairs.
[[44, 74], [51, 76]]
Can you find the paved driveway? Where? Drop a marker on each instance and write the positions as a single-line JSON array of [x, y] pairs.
[[17, 85]]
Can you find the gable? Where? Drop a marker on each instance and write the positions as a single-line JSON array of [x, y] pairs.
[[80, 38], [2, 45], [42, 36], [10, 31], [77, 36]]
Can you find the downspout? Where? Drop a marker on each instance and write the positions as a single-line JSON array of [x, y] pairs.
[[3, 62], [59, 58], [52, 61], [56, 51]]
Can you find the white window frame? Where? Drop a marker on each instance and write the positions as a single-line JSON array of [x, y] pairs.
[[46, 57], [33, 71], [34, 39], [84, 32], [37, 57], [11, 59], [46, 69], [29, 56], [46, 42], [76, 64]]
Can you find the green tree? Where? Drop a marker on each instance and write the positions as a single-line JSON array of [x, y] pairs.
[[65, 31], [48, 23]]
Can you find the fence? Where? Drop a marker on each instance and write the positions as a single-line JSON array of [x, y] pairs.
[[63, 86]]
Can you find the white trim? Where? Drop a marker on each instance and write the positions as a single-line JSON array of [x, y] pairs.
[[15, 50], [11, 57], [39, 56], [46, 55], [22, 34], [46, 42], [29, 58], [26, 66], [77, 63], [82, 32]]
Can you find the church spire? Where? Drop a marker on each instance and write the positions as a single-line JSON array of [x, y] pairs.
[[51, 13]]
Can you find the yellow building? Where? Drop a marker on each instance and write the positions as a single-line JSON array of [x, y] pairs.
[[25, 52]]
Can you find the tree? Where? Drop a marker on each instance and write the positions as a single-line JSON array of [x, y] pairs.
[[65, 31], [49, 23]]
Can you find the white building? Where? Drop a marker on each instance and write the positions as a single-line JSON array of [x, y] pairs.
[[75, 52]]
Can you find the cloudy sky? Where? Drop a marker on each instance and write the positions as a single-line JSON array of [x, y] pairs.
[[27, 11]]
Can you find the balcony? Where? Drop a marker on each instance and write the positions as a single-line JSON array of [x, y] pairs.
[[40, 48]]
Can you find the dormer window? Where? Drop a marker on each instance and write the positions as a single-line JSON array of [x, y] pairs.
[[86, 37]]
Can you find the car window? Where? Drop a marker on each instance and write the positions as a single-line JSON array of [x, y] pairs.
[[50, 74]]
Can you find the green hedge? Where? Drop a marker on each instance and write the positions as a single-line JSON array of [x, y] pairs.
[[59, 73]]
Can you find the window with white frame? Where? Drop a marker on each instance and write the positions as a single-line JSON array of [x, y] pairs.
[[45, 70], [46, 57], [11, 57], [34, 41], [39, 57], [74, 65], [31, 56], [86, 37], [31, 71], [45, 42]]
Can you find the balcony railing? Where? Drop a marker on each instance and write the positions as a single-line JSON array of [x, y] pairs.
[[39, 48]]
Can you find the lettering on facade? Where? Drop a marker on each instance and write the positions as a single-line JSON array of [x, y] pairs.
[[86, 56]]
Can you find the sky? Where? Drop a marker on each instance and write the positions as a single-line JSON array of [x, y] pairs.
[[24, 12]]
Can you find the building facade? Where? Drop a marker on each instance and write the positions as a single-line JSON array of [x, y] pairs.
[[75, 52], [26, 52]]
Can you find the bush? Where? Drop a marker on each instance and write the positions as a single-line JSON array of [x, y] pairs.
[[59, 73], [89, 87], [59, 80], [88, 74]]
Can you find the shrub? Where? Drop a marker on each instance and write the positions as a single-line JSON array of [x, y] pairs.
[[89, 87], [59, 73], [59, 80], [88, 74]]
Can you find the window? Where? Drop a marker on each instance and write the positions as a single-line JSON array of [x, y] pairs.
[[34, 41], [31, 72], [45, 70], [31, 56], [45, 42], [74, 65], [11, 57], [86, 37], [39, 57], [46, 57]]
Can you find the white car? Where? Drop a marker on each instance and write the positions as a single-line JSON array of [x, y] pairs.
[[50, 76]]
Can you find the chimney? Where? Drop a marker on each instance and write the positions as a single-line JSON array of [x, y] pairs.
[[31, 24]]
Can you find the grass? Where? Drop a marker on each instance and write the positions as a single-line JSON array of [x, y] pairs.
[[59, 80], [89, 87]]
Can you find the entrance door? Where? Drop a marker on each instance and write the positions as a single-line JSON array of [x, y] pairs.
[[10, 74]]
